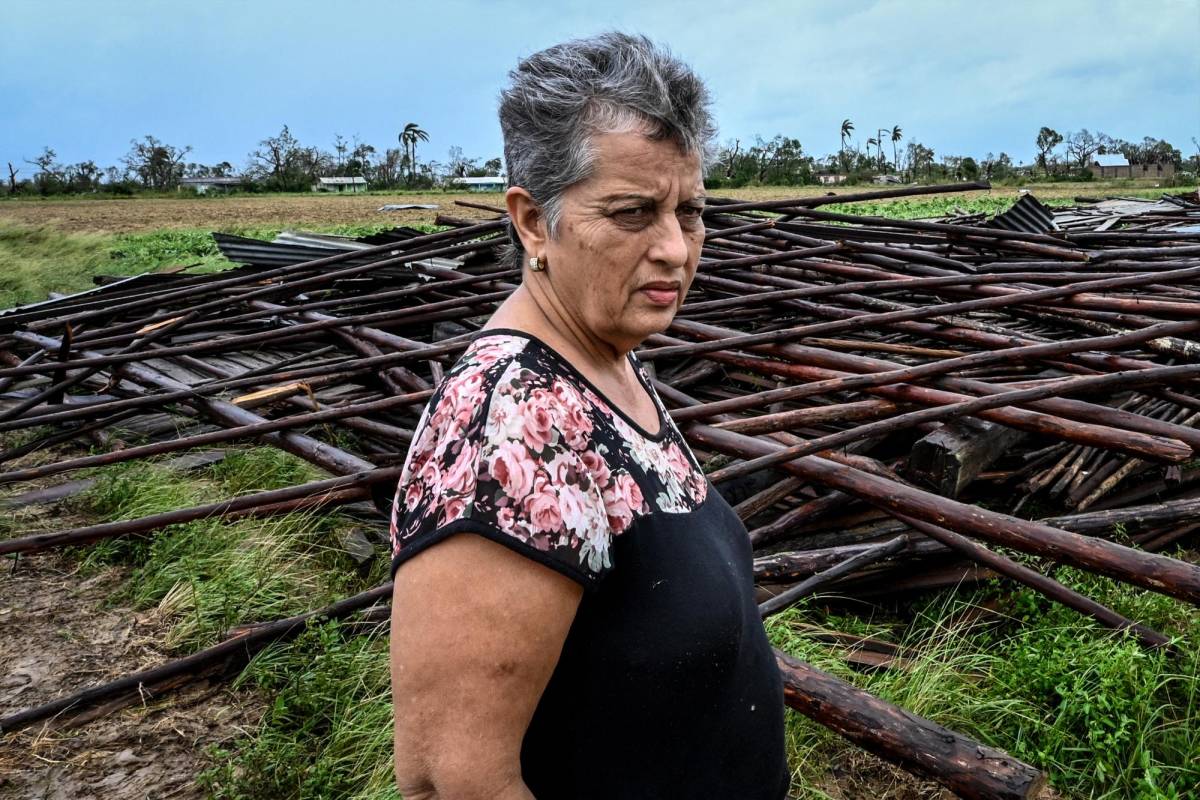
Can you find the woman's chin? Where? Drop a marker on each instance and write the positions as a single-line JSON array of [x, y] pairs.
[[648, 322]]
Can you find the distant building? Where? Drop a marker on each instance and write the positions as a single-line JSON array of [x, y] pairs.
[[831, 179], [487, 183], [204, 185], [885, 179], [356, 183], [1114, 165]]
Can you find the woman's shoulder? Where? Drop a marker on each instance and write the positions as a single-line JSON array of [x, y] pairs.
[[507, 449]]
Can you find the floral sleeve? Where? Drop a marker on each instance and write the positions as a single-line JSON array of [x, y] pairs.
[[508, 452]]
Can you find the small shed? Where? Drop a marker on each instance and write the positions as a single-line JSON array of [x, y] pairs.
[[1111, 165], [1114, 165], [831, 178], [204, 185], [349, 183], [487, 183]]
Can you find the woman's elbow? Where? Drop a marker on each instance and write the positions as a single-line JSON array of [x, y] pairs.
[[411, 767]]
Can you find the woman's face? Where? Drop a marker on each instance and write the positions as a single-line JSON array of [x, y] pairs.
[[628, 239]]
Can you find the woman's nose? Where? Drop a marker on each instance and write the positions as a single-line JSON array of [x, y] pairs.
[[670, 246]]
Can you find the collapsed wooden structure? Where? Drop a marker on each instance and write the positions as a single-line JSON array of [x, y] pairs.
[[854, 385]]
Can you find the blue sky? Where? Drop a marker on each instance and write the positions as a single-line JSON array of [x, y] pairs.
[[962, 77]]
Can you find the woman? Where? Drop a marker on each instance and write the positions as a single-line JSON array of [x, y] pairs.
[[595, 635]]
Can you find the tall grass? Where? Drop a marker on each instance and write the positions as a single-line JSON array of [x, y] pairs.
[[1105, 717], [208, 575]]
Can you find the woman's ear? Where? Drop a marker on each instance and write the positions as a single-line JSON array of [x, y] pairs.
[[527, 219]]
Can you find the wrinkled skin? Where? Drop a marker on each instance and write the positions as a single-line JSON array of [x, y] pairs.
[[627, 235]]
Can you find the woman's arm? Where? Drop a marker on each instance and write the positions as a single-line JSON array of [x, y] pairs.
[[476, 633]]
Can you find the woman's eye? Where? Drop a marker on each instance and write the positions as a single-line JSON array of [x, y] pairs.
[[632, 213], [691, 211]]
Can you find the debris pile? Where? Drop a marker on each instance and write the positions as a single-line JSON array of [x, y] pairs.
[[884, 403]]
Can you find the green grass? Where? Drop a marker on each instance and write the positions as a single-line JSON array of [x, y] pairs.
[[38, 260], [207, 575], [1103, 716], [327, 734], [327, 729]]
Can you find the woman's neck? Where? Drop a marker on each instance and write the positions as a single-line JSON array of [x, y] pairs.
[[536, 311]]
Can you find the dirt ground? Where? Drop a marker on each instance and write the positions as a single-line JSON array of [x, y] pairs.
[[61, 634], [249, 211]]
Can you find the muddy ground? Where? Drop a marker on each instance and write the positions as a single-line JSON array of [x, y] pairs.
[[59, 633]]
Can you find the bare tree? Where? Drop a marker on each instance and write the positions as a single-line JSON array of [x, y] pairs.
[[12, 177], [156, 164], [49, 173], [1047, 140], [1082, 145], [278, 160], [733, 154], [340, 147]]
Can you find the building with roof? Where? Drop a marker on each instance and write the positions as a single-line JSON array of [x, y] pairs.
[[205, 185], [1115, 165], [487, 183], [349, 183]]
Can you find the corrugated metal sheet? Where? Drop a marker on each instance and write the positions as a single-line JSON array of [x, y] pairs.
[[1027, 215], [256, 252]]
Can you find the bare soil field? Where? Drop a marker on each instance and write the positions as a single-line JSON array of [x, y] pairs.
[[72, 636], [131, 215]]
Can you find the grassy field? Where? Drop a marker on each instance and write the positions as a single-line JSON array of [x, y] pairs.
[[1104, 717], [141, 214]]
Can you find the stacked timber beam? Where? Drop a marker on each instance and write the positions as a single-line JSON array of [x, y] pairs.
[[890, 406]]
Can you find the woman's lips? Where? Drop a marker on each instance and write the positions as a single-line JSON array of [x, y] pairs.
[[661, 295]]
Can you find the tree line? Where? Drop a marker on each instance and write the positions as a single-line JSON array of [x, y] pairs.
[[281, 163], [783, 161]]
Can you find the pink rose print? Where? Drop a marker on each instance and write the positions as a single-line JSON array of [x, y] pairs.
[[596, 466], [540, 424], [622, 499], [678, 462], [453, 508], [413, 494], [526, 449], [512, 467], [431, 476], [460, 478], [542, 509]]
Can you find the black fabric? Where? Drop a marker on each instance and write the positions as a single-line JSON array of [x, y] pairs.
[[667, 685]]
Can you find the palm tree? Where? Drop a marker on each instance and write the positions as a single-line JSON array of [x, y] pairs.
[[871, 143], [847, 129], [409, 137], [897, 135]]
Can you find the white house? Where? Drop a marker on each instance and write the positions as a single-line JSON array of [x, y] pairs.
[[488, 183], [356, 183], [203, 185]]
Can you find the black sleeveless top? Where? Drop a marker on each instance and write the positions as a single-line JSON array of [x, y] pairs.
[[666, 686]]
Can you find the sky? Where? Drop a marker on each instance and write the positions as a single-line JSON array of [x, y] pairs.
[[964, 77]]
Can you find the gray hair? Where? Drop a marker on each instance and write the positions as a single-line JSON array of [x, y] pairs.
[[559, 98]]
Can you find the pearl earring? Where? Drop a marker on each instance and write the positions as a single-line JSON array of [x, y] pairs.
[[535, 265]]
